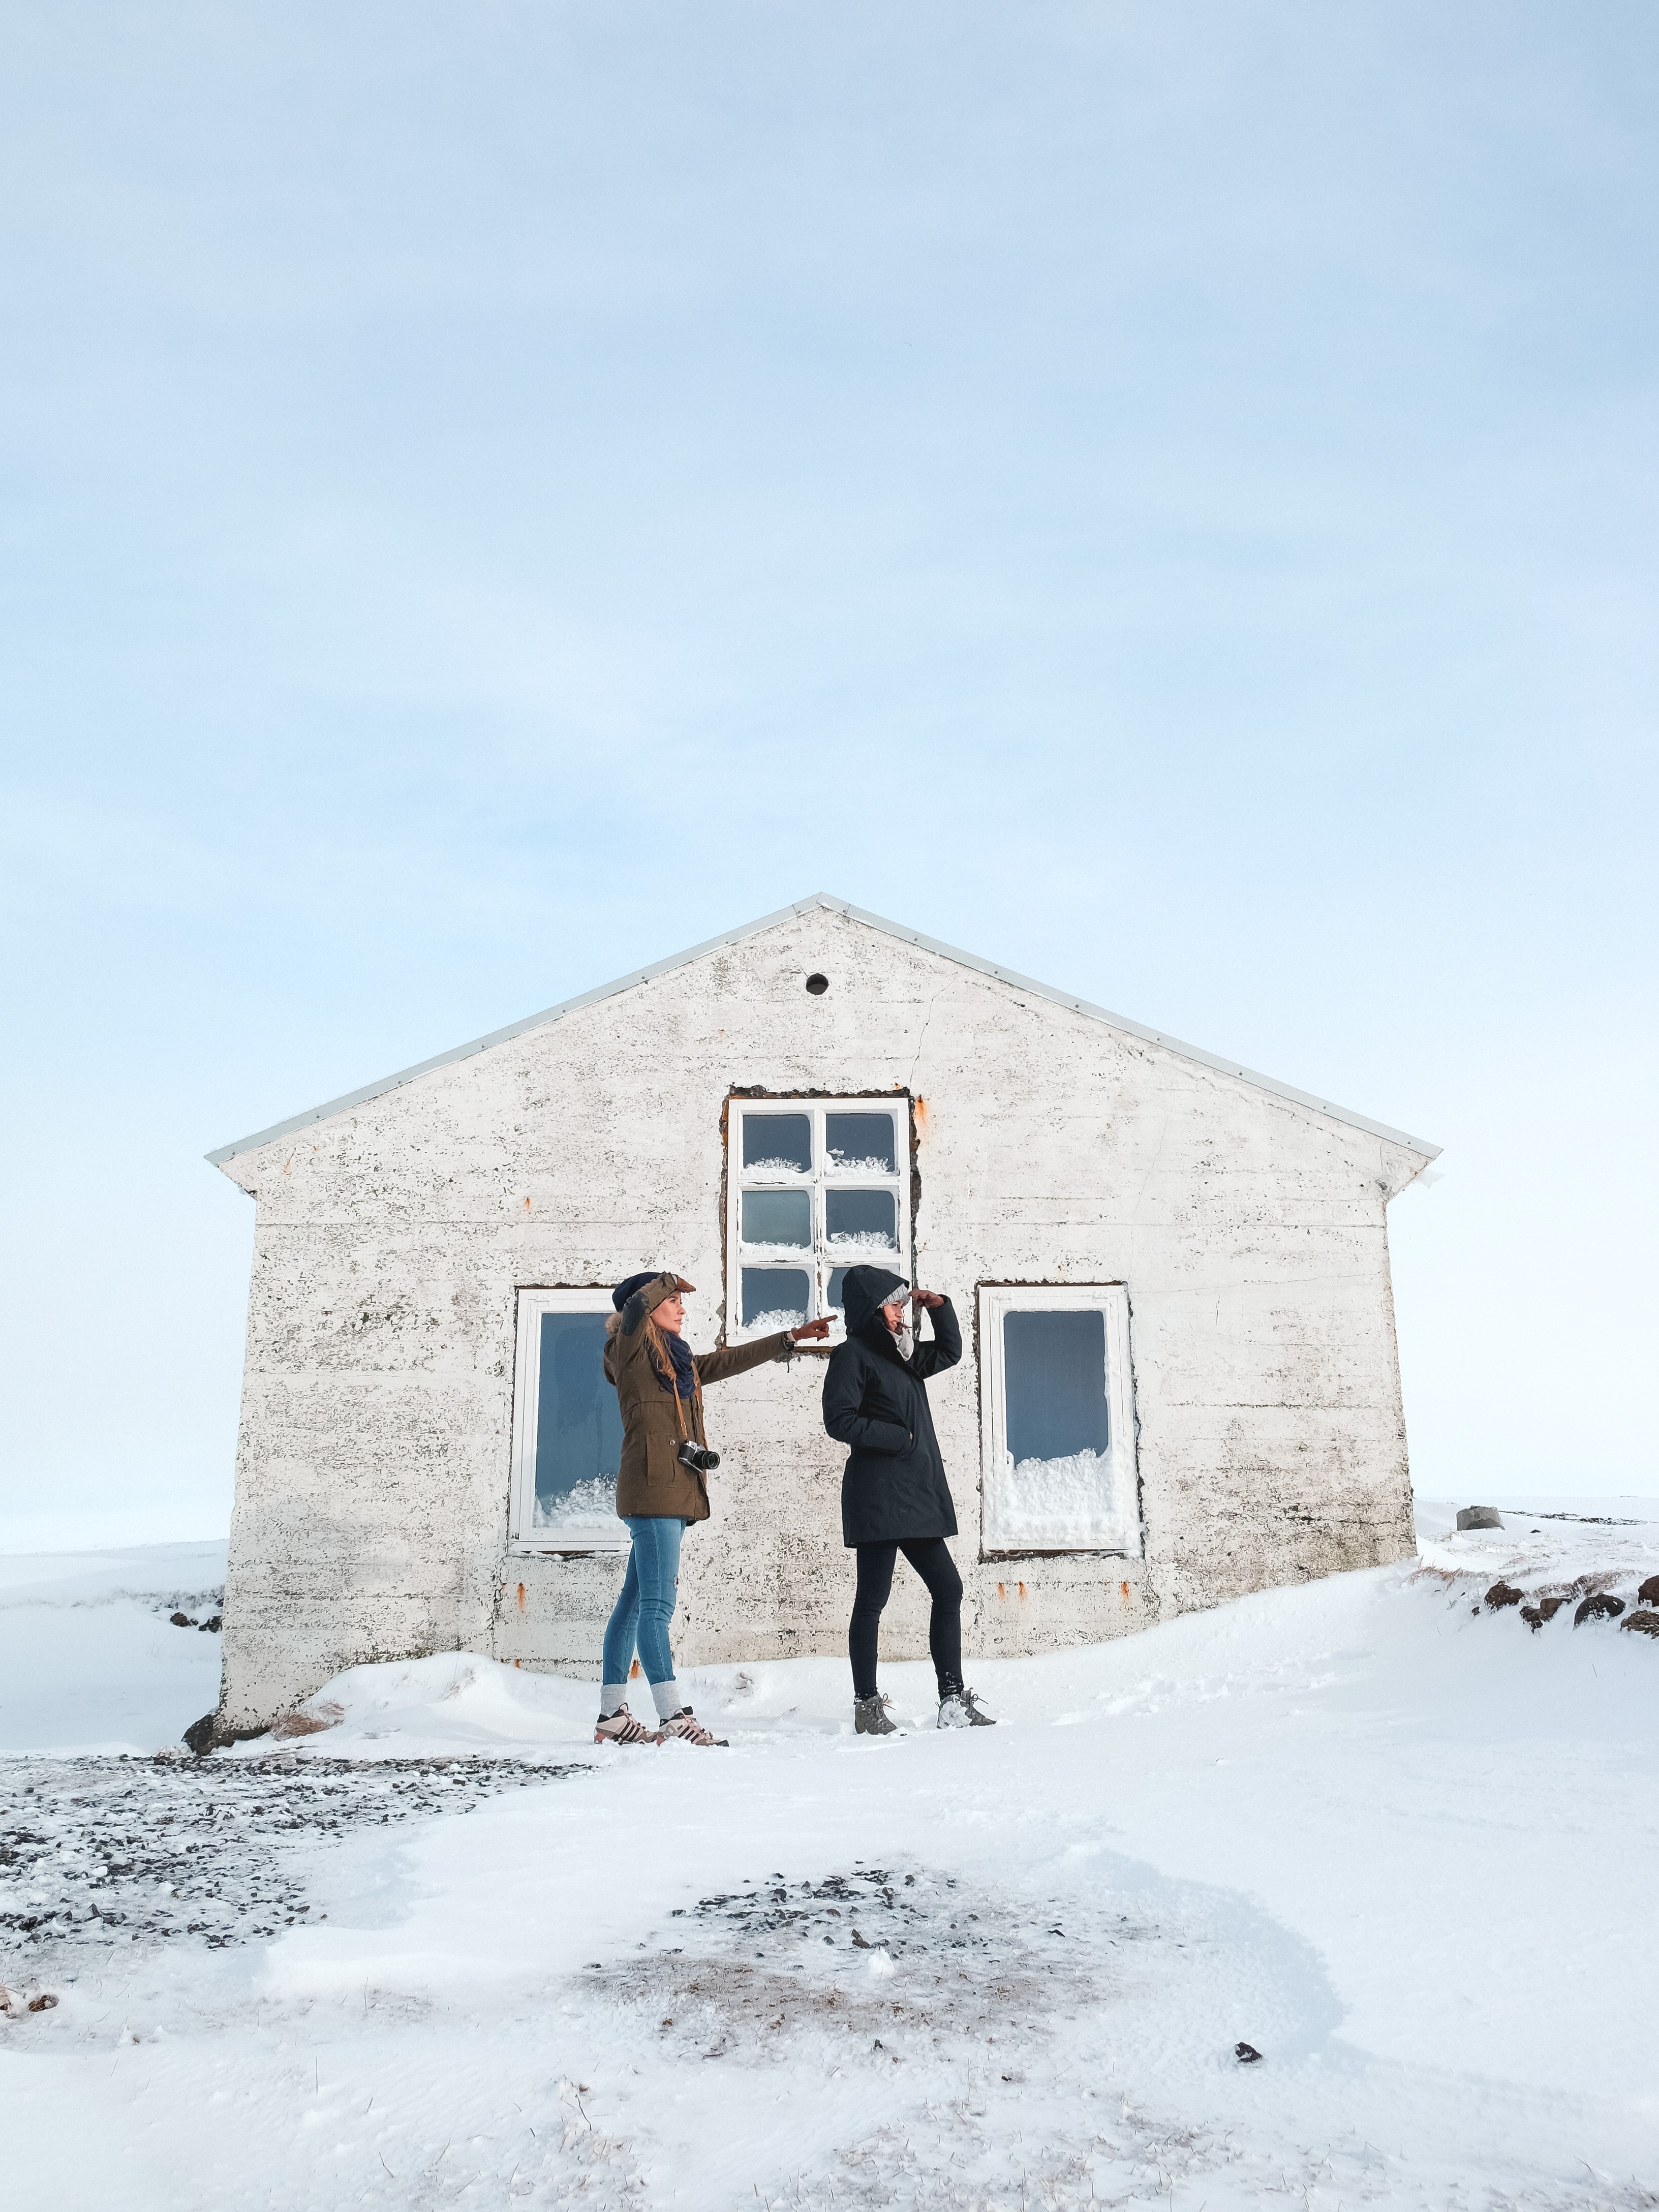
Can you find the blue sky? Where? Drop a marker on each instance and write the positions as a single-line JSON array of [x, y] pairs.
[[1161, 497]]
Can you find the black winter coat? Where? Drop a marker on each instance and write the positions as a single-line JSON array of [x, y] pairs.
[[875, 1401]]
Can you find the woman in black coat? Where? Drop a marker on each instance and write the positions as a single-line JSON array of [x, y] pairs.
[[894, 1497]]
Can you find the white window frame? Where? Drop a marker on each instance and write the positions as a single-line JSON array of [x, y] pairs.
[[1112, 1300], [524, 1536], [820, 1263]]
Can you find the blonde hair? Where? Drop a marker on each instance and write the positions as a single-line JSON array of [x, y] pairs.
[[657, 1351]]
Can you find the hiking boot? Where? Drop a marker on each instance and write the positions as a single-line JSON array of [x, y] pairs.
[[621, 1727], [689, 1730], [870, 1718], [960, 1708]]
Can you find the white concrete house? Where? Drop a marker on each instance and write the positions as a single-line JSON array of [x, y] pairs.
[[1180, 1379]]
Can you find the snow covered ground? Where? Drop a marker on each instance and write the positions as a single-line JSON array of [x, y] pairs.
[[89, 1658], [443, 1952]]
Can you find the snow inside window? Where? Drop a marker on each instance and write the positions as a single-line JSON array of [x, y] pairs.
[[1059, 1452], [567, 1440], [778, 1143], [860, 1144], [817, 1182], [863, 1218]]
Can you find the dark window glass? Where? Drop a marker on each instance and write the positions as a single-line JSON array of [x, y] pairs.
[[778, 1140], [862, 1216], [777, 1217], [775, 1295], [1055, 1373], [862, 1140], [835, 1297], [578, 1422]]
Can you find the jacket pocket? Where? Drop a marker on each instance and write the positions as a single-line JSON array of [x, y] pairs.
[[662, 1465]]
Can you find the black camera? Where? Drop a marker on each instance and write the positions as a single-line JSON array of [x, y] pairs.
[[698, 1458]]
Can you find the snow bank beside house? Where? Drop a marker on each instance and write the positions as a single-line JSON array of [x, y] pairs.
[[89, 1658], [455, 1705]]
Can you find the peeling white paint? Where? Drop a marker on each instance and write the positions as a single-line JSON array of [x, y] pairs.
[[373, 1464]]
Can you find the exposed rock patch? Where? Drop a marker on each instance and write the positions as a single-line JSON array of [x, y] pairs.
[[1600, 1607]]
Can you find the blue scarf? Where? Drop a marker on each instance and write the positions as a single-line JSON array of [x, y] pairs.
[[684, 1377]]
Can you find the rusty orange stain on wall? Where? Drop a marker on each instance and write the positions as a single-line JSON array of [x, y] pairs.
[[634, 1672], [921, 1115], [1020, 1587], [1123, 1589], [521, 1597], [1002, 1590]]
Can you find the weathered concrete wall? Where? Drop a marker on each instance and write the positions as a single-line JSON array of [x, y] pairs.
[[373, 1471]]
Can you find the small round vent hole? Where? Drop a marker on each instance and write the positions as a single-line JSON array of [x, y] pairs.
[[817, 985]]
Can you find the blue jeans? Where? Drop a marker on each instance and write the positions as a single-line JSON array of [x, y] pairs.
[[647, 1604]]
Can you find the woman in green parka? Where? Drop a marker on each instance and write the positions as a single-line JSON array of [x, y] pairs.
[[659, 1381]]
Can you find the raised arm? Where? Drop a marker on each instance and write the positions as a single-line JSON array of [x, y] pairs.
[[945, 1348], [737, 1359]]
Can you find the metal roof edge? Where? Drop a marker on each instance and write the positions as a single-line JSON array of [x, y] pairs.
[[824, 901], [1250, 1075]]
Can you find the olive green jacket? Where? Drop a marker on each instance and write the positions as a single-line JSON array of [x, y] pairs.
[[652, 1482]]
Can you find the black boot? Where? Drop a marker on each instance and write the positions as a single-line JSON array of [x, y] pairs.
[[870, 1718]]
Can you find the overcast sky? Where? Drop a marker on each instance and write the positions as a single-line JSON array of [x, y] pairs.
[[1162, 496]]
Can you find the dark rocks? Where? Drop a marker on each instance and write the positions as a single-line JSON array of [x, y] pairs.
[[45, 2002], [212, 1627], [1648, 1593], [181, 1620], [1598, 1606], [200, 1735], [1246, 2053], [1502, 1594], [1644, 1623], [1478, 1516], [1546, 1609]]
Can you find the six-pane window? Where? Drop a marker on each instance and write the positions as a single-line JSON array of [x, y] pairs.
[[815, 1187]]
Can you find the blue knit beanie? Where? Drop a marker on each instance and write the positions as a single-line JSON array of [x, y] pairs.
[[626, 1288]]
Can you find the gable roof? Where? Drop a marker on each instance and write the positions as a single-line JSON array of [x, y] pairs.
[[821, 900]]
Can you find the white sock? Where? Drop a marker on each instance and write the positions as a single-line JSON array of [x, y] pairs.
[[612, 1695], [668, 1699]]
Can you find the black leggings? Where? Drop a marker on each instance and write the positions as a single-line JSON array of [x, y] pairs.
[[934, 1563]]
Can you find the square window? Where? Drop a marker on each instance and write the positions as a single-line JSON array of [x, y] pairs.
[[819, 1183], [567, 1426], [778, 1217], [865, 1217], [777, 1143], [860, 1143], [775, 1298], [1058, 1448]]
